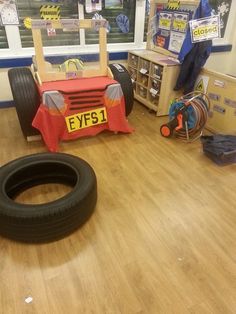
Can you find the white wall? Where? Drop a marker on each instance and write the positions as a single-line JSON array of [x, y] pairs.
[[5, 93], [220, 62], [232, 58]]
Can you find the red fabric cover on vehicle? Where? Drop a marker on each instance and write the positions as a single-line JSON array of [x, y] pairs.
[[96, 92], [76, 85]]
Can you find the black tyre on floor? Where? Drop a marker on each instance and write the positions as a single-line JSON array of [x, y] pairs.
[[26, 97], [122, 76], [48, 221]]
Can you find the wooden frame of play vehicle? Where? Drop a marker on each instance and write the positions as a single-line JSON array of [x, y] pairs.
[[24, 81], [44, 73]]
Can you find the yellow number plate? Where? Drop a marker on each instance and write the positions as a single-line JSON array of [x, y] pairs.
[[86, 119]]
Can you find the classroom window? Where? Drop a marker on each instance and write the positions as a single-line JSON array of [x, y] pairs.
[[121, 18], [31, 8], [3, 38]]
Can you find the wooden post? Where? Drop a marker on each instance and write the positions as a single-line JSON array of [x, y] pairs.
[[103, 50], [38, 46]]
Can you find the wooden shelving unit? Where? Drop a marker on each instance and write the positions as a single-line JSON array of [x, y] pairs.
[[155, 70], [154, 76]]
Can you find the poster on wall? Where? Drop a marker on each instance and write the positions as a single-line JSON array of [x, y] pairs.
[[50, 12], [172, 24], [113, 4], [165, 20], [8, 12], [171, 30], [93, 6], [173, 4], [180, 22], [176, 41]]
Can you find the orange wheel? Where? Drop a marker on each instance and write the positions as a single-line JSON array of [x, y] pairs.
[[165, 130]]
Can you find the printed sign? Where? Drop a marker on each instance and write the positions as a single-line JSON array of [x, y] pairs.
[[230, 102], [165, 20], [41, 24], [143, 71], [86, 119], [201, 83], [180, 22], [71, 75], [214, 96], [153, 91], [96, 24], [205, 28], [161, 41], [51, 32], [219, 83], [219, 109], [200, 86], [176, 41], [50, 12], [93, 5], [70, 23], [173, 4]]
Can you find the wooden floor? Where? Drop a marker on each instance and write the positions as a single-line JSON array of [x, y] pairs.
[[162, 238]]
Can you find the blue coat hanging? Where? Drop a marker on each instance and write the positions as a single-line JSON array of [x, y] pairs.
[[193, 56]]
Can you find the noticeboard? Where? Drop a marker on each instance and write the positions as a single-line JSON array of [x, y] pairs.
[[168, 25]]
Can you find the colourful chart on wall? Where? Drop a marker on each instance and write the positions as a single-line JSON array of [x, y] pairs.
[[171, 25]]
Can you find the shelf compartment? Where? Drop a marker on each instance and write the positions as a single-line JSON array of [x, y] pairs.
[[153, 98], [142, 91], [133, 73], [155, 86], [143, 79], [133, 61], [144, 66], [156, 71]]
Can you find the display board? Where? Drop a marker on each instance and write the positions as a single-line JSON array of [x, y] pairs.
[[168, 25]]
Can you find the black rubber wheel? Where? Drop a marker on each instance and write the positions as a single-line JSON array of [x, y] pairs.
[[26, 97], [122, 76], [49, 221]]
